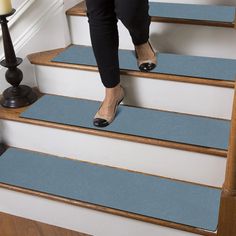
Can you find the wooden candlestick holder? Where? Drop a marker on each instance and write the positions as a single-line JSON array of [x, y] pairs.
[[17, 95]]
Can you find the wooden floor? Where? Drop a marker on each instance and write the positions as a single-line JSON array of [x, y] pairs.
[[16, 226]]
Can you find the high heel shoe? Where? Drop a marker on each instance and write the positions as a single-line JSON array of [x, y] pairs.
[[103, 121], [149, 64]]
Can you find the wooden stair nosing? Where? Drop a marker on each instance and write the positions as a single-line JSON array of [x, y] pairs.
[[115, 211], [14, 115], [80, 10], [44, 59]]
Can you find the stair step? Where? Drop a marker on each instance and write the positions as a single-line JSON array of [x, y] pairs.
[[15, 115], [212, 15], [150, 90], [178, 130], [169, 65], [157, 200], [189, 69], [205, 165]]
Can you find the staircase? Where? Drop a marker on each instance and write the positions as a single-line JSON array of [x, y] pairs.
[[157, 170]]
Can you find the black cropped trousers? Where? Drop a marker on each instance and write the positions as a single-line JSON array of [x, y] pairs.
[[102, 17]]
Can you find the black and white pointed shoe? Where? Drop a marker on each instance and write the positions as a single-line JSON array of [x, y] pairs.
[[148, 64], [103, 121]]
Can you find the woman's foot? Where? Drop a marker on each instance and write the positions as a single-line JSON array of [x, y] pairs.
[[108, 108], [146, 57]]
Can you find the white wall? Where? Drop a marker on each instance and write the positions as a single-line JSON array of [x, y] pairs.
[[17, 3], [42, 27]]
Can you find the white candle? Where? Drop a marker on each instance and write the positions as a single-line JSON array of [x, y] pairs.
[[5, 7]]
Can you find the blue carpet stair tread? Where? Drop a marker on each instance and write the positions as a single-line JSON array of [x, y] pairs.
[[214, 13], [173, 64], [151, 196], [162, 125]]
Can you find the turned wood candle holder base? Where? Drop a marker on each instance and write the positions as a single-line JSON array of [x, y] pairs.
[[15, 97]]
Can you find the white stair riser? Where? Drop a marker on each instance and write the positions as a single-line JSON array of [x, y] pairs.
[[77, 218], [167, 162], [180, 97], [172, 38]]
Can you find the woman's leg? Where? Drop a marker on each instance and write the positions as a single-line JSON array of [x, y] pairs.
[[134, 15], [104, 36], [105, 43]]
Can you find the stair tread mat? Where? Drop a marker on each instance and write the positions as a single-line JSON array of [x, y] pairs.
[[143, 122], [146, 195], [215, 13], [173, 64], [199, 12]]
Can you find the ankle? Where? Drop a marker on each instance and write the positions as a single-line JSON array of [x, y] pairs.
[[112, 93], [141, 45], [113, 89]]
